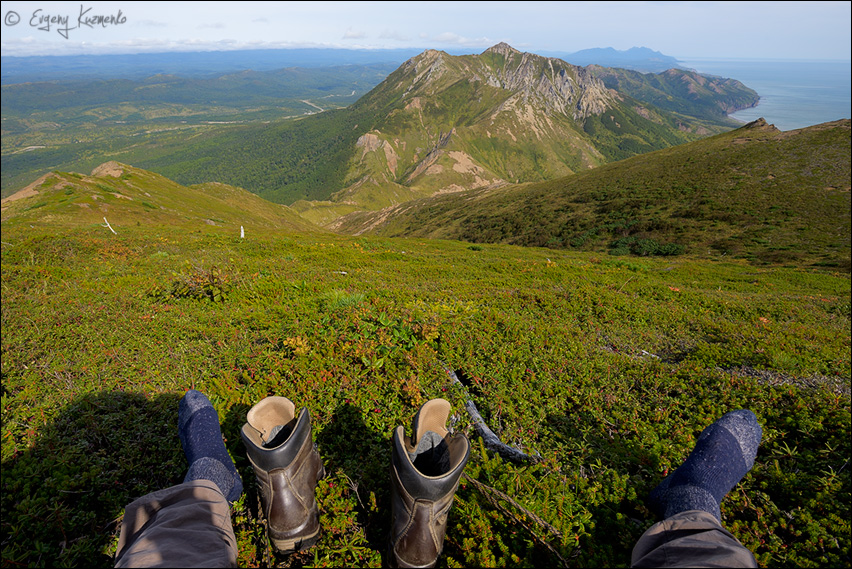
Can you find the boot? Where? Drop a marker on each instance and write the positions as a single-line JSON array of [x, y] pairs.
[[288, 467], [425, 476]]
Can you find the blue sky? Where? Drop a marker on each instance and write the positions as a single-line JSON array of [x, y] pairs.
[[686, 30]]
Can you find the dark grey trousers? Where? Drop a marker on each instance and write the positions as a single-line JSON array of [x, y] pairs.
[[690, 539], [188, 525]]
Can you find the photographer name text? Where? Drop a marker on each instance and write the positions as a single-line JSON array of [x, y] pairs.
[[64, 24]]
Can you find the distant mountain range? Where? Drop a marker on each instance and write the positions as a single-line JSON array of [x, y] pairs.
[[211, 63], [636, 58], [187, 64]]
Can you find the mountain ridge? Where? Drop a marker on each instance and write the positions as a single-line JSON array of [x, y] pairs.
[[447, 123]]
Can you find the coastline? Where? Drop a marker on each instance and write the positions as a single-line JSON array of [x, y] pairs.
[[792, 94]]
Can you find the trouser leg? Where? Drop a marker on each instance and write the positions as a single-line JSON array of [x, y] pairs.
[[690, 539], [188, 525]]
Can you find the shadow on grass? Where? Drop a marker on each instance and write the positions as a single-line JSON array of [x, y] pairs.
[[348, 445], [63, 498], [619, 518]]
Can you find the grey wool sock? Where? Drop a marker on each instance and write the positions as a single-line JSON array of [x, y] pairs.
[[723, 455], [201, 438]]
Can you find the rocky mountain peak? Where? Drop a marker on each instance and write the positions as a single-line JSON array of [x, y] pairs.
[[559, 87], [501, 48]]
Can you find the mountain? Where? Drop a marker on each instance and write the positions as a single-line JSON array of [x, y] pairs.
[[636, 58], [440, 123], [446, 123], [124, 195], [679, 91], [754, 192]]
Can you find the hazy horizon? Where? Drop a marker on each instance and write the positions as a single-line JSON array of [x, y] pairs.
[[685, 30]]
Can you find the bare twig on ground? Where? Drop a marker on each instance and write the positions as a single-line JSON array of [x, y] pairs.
[[492, 441]]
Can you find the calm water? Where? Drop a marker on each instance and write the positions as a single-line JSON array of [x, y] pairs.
[[793, 94]]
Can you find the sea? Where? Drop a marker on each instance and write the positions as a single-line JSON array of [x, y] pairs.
[[793, 94]]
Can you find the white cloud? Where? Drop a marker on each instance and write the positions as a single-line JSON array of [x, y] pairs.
[[351, 34], [455, 39], [150, 24], [393, 35]]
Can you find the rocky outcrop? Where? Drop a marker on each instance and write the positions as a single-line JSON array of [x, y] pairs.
[[560, 87]]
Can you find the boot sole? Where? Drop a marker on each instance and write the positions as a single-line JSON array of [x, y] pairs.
[[398, 563], [285, 546]]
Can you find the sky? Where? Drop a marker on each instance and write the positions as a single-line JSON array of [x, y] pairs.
[[685, 30]]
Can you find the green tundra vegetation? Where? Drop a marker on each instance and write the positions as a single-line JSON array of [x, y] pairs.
[[599, 322], [605, 368]]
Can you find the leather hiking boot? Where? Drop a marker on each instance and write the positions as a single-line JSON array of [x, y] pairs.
[[425, 476], [288, 466]]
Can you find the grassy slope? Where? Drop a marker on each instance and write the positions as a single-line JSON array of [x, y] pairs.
[[755, 192], [680, 91], [129, 196], [608, 369]]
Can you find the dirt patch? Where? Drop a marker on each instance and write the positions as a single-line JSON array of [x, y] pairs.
[[391, 158], [464, 163], [112, 168], [838, 385], [27, 192], [369, 142], [414, 103]]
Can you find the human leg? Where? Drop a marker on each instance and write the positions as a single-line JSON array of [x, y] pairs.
[[187, 525], [689, 499]]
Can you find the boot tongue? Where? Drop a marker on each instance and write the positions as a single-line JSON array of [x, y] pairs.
[[432, 455], [278, 435]]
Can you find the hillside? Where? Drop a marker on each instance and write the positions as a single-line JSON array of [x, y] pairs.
[[438, 123], [755, 192], [129, 196], [679, 91]]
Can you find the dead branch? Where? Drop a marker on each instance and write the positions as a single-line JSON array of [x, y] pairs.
[[492, 442]]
